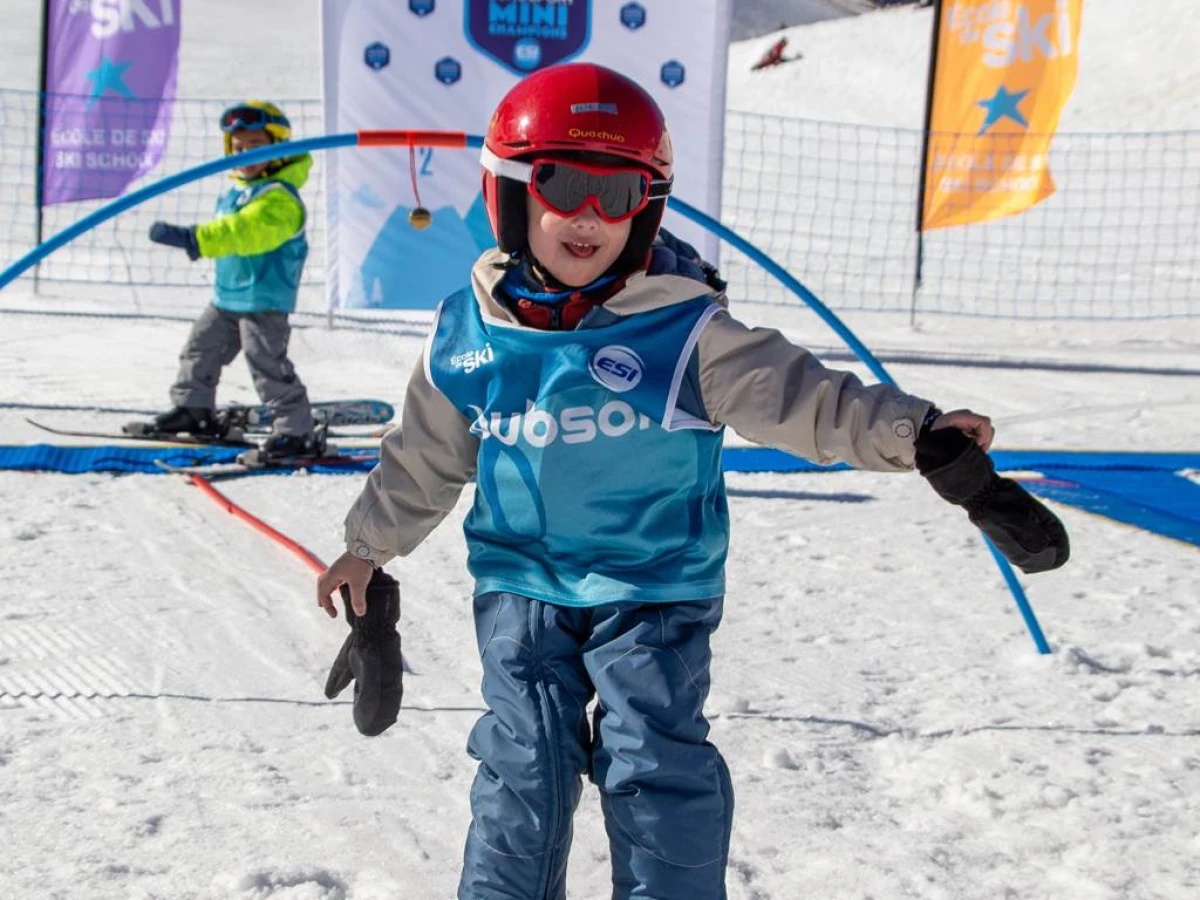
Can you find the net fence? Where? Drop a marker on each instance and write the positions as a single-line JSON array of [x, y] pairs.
[[833, 203]]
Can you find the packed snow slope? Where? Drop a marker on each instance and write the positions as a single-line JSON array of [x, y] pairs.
[[890, 729]]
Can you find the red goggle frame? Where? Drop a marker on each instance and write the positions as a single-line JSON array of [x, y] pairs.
[[616, 193]]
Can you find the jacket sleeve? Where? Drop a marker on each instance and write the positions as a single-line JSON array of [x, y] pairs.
[[423, 466], [775, 393], [268, 221]]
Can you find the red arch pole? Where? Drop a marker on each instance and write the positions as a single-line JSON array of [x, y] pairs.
[[310, 559], [386, 138]]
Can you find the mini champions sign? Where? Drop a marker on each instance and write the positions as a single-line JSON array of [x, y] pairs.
[[526, 35], [459, 60]]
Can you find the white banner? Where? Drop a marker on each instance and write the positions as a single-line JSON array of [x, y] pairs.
[[444, 65]]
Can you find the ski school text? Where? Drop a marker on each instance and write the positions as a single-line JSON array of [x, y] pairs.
[[94, 159], [108, 137]]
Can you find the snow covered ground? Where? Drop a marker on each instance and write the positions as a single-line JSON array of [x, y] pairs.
[[890, 729]]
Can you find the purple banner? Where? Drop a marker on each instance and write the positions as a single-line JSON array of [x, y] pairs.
[[110, 83]]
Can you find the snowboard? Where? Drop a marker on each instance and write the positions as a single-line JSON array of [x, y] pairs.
[[237, 420]]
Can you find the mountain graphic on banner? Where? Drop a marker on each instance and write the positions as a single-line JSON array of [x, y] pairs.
[[410, 269]]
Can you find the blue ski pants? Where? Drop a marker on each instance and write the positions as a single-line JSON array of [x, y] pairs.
[[664, 789]]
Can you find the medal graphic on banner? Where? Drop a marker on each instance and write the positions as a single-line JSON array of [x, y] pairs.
[[526, 35]]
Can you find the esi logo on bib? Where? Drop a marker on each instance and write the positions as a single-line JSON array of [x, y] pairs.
[[617, 368]]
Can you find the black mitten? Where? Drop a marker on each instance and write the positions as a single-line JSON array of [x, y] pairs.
[[183, 237], [371, 658], [1025, 531]]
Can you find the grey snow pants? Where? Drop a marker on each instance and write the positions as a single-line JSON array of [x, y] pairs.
[[215, 341]]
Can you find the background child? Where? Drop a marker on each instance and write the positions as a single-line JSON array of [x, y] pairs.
[[584, 380], [258, 242]]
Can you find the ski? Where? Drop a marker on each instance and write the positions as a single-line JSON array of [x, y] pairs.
[[230, 440], [236, 419], [247, 464], [149, 437]]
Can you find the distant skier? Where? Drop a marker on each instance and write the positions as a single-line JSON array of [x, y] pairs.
[[774, 56], [259, 244], [583, 382]]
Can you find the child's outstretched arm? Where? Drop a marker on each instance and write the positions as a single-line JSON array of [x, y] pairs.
[[424, 463], [268, 221], [775, 393]]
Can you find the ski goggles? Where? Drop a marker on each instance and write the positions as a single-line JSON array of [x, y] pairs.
[[616, 193], [250, 118]]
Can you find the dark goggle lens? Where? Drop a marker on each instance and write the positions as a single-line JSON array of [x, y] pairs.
[[567, 188], [244, 117]]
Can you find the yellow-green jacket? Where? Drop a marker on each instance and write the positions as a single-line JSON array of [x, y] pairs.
[[258, 241]]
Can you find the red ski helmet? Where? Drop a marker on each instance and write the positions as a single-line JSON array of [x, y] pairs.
[[577, 109]]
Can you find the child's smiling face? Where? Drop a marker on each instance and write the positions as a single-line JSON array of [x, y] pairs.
[[244, 139], [574, 249]]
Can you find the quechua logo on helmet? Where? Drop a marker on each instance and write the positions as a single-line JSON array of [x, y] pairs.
[[526, 35]]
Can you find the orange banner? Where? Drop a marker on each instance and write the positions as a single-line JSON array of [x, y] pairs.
[[1003, 72]]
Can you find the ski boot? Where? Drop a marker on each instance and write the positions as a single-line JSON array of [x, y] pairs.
[[285, 449], [195, 421]]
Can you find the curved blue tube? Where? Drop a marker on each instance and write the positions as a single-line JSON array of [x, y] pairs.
[[326, 142], [1014, 586], [789, 281], [141, 195]]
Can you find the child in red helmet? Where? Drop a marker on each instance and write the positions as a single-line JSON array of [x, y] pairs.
[[583, 381]]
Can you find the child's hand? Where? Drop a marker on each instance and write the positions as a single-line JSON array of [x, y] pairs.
[[351, 571], [978, 428], [176, 236], [371, 658], [952, 459]]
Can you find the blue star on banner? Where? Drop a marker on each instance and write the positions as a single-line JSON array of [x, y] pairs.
[[1003, 105], [109, 76]]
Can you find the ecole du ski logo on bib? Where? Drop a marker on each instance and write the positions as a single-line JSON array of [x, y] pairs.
[[473, 359]]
